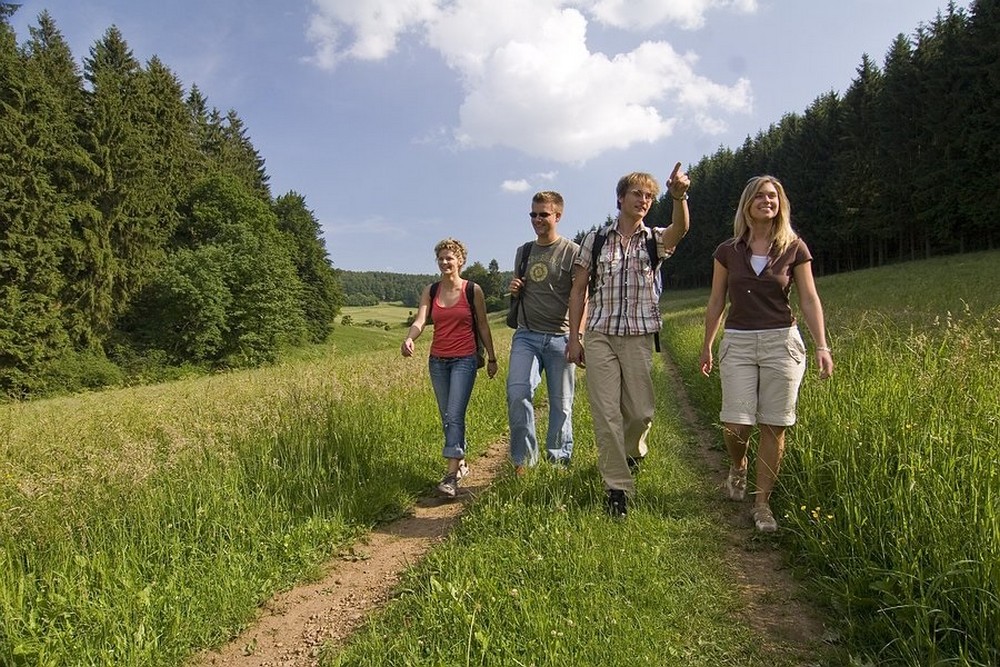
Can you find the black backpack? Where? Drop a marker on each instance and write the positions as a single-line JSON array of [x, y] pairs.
[[600, 236], [519, 273], [470, 296]]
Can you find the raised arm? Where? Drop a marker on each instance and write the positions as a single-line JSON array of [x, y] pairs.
[[680, 217]]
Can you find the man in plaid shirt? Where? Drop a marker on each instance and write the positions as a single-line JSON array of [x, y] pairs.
[[623, 317]]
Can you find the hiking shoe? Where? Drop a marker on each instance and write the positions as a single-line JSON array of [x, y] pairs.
[[616, 504], [449, 485], [736, 484], [634, 463], [463, 470], [764, 519]]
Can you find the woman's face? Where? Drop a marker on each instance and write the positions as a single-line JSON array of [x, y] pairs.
[[448, 262], [764, 204]]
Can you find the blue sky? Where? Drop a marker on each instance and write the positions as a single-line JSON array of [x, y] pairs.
[[406, 121]]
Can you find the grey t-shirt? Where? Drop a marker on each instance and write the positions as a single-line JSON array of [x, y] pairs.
[[548, 279]]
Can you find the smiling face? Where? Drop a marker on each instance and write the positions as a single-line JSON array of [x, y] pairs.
[[448, 262], [450, 255], [544, 218], [765, 204], [636, 193]]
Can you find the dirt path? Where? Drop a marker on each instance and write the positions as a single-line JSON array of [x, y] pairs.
[[774, 603], [295, 624]]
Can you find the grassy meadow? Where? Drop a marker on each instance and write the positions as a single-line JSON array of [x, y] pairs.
[[141, 525], [891, 491]]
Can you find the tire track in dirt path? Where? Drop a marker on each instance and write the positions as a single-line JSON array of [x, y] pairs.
[[294, 625]]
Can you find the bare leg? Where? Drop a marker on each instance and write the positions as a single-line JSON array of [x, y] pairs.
[[769, 453], [737, 438]]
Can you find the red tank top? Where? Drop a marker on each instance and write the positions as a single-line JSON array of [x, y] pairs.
[[453, 335]]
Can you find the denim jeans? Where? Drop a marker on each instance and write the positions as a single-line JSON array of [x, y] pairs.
[[452, 379], [531, 354]]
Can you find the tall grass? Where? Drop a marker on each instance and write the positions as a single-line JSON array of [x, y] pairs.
[[891, 489], [537, 574], [141, 524]]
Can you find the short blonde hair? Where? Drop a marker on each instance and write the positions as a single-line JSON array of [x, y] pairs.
[[453, 245], [640, 178]]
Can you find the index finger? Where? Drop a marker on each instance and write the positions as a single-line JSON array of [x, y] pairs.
[[673, 174]]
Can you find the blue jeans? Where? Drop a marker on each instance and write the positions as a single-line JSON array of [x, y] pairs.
[[531, 354], [452, 379]]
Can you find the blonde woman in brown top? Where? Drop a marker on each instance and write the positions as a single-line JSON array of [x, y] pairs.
[[762, 357]]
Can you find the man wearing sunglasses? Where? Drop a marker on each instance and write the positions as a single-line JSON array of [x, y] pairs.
[[623, 321], [541, 300]]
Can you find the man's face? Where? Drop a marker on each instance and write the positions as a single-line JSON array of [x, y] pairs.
[[544, 217], [636, 200]]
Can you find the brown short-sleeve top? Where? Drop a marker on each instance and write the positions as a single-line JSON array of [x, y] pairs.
[[760, 301]]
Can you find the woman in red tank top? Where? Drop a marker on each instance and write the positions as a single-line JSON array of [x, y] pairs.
[[452, 362]]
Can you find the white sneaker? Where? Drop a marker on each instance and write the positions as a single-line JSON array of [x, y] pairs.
[[449, 486], [736, 484], [764, 519]]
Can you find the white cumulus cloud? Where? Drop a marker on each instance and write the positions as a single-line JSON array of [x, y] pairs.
[[530, 79], [520, 185]]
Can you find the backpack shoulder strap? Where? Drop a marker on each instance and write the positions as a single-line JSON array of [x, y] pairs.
[[522, 266], [600, 236], [470, 296], [430, 306]]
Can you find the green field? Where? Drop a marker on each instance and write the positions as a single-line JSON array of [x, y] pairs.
[[143, 524]]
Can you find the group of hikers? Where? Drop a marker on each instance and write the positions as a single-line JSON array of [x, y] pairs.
[[596, 306]]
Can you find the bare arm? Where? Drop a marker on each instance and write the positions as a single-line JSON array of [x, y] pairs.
[[577, 311], [485, 334], [418, 322], [713, 314], [812, 311], [680, 217]]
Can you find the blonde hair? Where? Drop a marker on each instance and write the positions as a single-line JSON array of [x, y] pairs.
[[640, 178], [453, 245], [548, 197], [781, 232]]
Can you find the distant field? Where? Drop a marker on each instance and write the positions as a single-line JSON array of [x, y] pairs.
[[392, 313]]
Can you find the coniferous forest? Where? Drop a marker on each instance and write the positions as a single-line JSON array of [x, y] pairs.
[[903, 165], [139, 235], [138, 232]]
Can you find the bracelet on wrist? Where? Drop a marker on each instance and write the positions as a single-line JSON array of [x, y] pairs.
[[683, 197], [824, 349]]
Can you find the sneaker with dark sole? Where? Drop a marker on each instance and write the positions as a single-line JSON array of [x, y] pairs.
[[449, 486], [736, 484], [764, 519], [616, 504]]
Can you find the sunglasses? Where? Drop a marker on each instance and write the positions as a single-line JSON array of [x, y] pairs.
[[543, 215]]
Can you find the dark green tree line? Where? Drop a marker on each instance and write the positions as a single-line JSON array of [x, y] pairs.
[[904, 164], [137, 223]]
